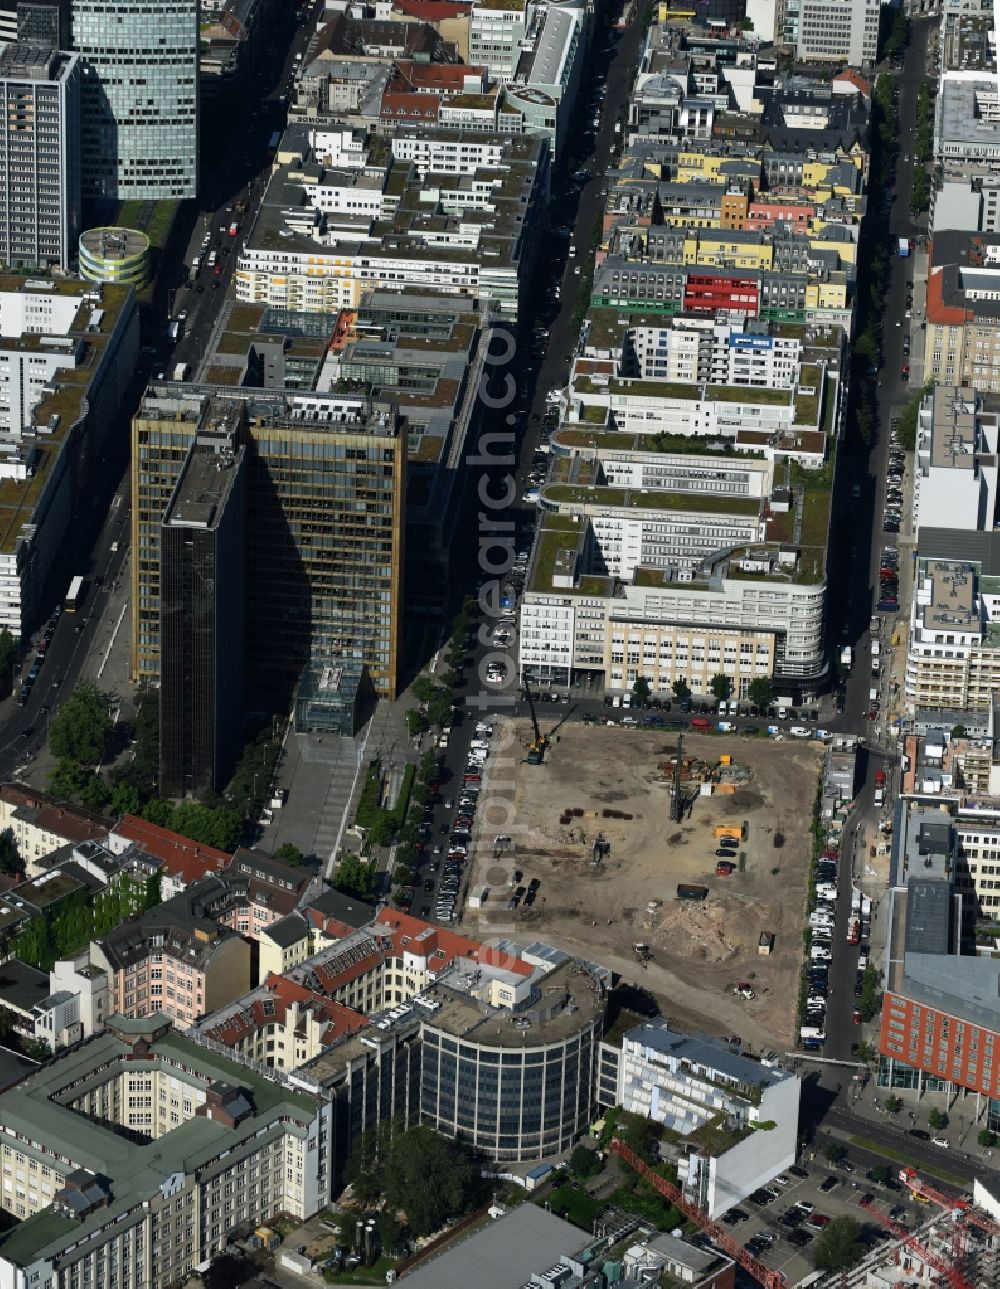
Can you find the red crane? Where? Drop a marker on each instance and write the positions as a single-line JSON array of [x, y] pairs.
[[764, 1275], [967, 1214], [953, 1276]]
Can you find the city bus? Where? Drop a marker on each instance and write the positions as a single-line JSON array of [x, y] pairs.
[[74, 595]]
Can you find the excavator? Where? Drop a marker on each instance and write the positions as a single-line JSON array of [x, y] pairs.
[[536, 752]]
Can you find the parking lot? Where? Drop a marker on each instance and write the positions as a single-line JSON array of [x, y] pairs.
[[780, 1222], [591, 828]]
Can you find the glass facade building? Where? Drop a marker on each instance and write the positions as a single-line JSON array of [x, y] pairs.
[[324, 546], [202, 615], [139, 99]]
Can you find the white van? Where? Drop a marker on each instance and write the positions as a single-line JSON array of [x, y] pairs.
[[616, 701], [479, 745], [483, 728]]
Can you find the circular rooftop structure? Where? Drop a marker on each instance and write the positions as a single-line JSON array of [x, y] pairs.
[[113, 254]]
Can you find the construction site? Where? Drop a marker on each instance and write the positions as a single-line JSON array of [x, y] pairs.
[[679, 861]]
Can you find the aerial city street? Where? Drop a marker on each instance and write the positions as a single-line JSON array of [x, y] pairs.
[[499, 644]]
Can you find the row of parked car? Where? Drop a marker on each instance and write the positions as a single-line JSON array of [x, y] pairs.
[[28, 683], [893, 513]]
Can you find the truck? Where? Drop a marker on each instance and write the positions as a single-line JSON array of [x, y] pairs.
[[847, 657], [904, 248], [854, 931], [880, 796], [687, 891], [174, 330], [234, 228], [181, 371], [880, 778]]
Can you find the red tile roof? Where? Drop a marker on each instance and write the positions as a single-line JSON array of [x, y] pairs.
[[856, 79], [445, 78], [272, 1009], [433, 10], [55, 816], [937, 311], [424, 939], [414, 107], [182, 858]]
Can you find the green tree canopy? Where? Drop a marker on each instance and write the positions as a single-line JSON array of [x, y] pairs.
[[80, 729], [838, 1246], [10, 857], [759, 691], [682, 690], [722, 687], [584, 1162], [641, 690], [289, 853], [355, 877]]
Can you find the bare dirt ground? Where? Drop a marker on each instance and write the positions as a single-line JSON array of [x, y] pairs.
[[602, 910]]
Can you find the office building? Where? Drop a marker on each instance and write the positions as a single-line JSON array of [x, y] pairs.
[[326, 476], [496, 1044], [139, 99], [44, 22], [67, 352], [673, 565], [711, 1104], [131, 1158], [39, 157], [203, 546], [962, 338], [838, 31]]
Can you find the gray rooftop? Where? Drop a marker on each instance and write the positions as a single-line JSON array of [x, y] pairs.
[[965, 987], [962, 545], [345, 908], [22, 986], [504, 1255], [704, 1051], [928, 916]]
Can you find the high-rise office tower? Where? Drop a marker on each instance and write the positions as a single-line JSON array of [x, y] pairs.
[[39, 156], [324, 544], [203, 562], [139, 103], [44, 22]]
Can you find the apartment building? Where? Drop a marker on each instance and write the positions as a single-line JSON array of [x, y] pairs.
[[324, 556], [708, 1102], [42, 825], [672, 566], [183, 862], [962, 338], [67, 352], [130, 1159], [39, 157]]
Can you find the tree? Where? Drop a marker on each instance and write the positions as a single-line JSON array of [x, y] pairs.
[[893, 1104], [870, 996], [937, 1119], [37, 1050], [682, 690], [584, 1163], [80, 729], [958, 731], [834, 1152], [10, 858], [759, 691], [430, 1178], [722, 687], [424, 689], [8, 657], [416, 722], [289, 853], [986, 1138], [356, 878], [881, 1174], [838, 1246], [219, 828], [641, 690]]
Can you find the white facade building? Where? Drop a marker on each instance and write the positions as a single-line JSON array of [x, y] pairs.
[[712, 1105], [77, 1005], [838, 31]]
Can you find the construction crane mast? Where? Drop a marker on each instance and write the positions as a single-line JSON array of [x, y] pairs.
[[677, 800], [954, 1277], [536, 753], [764, 1275]]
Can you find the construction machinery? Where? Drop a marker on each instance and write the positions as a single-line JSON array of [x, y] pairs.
[[536, 752], [953, 1276], [764, 1275]]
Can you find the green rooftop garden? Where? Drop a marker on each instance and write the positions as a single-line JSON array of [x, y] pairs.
[[655, 389], [635, 499], [747, 394]]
